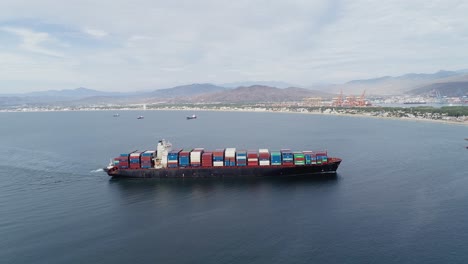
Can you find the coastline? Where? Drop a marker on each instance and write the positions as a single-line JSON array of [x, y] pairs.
[[355, 115]]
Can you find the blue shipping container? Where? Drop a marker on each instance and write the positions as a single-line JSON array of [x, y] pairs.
[[184, 160], [218, 158]]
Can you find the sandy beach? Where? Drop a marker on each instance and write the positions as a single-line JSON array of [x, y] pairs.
[[357, 115]]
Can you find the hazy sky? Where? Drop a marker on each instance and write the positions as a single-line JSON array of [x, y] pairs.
[[114, 45]]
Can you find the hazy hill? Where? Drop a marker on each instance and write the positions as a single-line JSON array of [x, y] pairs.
[[409, 77], [186, 90], [450, 89], [85, 96], [258, 93], [388, 85], [260, 83], [74, 93], [445, 83]]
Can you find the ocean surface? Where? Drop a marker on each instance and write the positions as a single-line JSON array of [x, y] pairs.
[[401, 194]]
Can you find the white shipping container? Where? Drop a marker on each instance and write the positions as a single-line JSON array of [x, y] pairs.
[[230, 152], [218, 163], [253, 159], [263, 151], [195, 156], [264, 163]]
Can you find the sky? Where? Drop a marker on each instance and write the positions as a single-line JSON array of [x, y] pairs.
[[114, 45]]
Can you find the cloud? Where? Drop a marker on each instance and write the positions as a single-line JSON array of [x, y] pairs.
[[96, 33], [33, 41], [162, 43]]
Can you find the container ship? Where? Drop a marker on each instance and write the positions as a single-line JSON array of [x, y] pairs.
[[166, 162]]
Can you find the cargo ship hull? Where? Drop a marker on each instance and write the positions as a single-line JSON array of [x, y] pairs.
[[225, 171]]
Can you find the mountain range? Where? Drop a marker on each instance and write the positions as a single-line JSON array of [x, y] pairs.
[[411, 83], [441, 83]]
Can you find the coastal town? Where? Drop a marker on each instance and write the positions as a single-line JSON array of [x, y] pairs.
[[448, 114]]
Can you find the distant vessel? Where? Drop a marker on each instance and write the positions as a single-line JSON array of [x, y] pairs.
[[140, 117], [191, 117], [165, 162], [116, 115]]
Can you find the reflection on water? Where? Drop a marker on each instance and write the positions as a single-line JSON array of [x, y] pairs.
[[210, 183], [167, 190]]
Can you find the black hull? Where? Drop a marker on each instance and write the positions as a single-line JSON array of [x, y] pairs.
[[221, 172]]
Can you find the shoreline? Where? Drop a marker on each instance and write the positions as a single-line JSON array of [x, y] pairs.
[[358, 115]]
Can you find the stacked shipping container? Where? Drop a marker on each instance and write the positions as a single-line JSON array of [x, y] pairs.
[[218, 158], [207, 159], [287, 157], [147, 159], [308, 157], [321, 157], [275, 158], [241, 158], [252, 158], [172, 158], [184, 158], [135, 160], [230, 157], [264, 157], [196, 157], [299, 158], [122, 161]]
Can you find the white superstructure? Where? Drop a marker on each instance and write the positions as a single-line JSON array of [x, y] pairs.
[[163, 148]]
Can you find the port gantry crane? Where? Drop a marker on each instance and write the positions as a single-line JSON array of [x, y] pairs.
[[351, 101]]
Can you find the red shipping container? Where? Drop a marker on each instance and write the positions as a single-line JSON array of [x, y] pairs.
[[207, 164], [252, 154], [218, 153]]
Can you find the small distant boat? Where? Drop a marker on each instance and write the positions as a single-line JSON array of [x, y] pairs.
[[191, 117], [140, 117], [116, 115]]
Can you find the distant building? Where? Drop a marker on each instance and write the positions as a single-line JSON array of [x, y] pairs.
[[313, 101]]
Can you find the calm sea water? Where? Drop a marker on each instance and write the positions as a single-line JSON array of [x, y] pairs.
[[401, 194]]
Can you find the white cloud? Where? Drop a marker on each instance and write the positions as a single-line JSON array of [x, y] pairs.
[[33, 41], [162, 43], [96, 33]]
